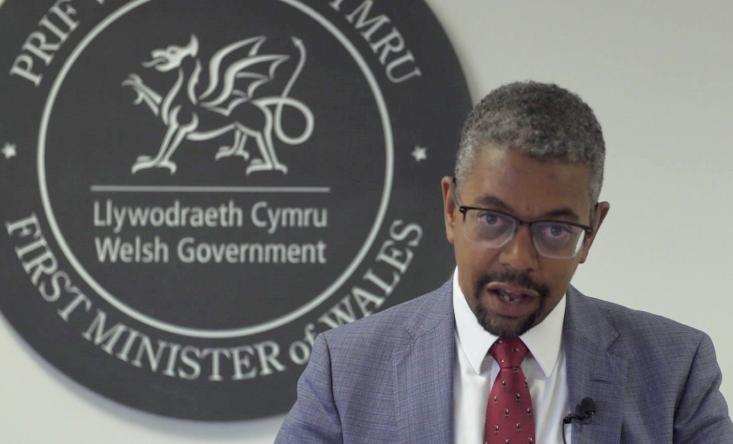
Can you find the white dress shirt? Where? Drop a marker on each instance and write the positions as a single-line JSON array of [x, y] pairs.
[[475, 371]]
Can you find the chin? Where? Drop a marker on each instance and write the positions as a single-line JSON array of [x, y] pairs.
[[503, 327]]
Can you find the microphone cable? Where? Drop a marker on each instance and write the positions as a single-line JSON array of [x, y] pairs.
[[586, 411]]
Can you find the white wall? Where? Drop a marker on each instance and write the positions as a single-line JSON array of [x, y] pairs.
[[659, 75]]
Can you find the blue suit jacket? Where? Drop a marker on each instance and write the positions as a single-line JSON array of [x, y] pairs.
[[389, 378]]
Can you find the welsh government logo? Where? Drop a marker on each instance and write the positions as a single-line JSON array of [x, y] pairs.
[[232, 84], [192, 191]]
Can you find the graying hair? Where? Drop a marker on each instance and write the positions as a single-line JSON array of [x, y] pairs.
[[542, 121]]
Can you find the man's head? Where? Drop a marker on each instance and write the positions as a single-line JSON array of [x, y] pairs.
[[529, 153]]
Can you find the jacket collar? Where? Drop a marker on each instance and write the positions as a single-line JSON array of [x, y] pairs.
[[593, 371], [423, 371]]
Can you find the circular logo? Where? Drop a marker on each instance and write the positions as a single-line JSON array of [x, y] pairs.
[[194, 191]]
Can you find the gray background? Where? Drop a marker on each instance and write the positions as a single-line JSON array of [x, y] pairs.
[[659, 75]]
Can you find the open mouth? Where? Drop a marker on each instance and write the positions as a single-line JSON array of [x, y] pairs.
[[510, 296], [511, 301]]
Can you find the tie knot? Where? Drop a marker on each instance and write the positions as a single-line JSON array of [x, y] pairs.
[[509, 353]]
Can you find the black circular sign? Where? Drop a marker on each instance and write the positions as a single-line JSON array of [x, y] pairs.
[[192, 191]]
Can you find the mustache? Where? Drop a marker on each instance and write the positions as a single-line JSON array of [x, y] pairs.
[[516, 278]]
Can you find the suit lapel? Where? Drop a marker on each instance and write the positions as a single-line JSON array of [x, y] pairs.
[[423, 372], [592, 370]]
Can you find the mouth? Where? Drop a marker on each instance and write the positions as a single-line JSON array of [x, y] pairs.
[[510, 301], [511, 297]]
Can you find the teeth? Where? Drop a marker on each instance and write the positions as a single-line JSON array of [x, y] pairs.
[[508, 296]]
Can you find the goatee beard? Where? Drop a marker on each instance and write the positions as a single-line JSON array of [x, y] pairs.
[[490, 321]]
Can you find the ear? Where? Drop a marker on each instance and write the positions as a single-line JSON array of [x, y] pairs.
[[599, 215], [449, 207]]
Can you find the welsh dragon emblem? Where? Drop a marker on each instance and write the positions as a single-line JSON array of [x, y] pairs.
[[226, 106]]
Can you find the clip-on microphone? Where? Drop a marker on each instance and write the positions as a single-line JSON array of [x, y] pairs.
[[585, 413]]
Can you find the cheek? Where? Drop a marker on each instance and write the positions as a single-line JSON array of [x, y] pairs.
[[584, 252], [474, 261], [558, 278]]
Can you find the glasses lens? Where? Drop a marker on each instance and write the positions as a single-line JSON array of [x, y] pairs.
[[488, 228], [556, 239]]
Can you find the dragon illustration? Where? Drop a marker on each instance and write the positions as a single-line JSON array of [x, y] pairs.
[[226, 105]]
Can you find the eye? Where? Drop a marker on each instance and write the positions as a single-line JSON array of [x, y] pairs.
[[557, 231], [489, 218], [492, 223], [488, 226]]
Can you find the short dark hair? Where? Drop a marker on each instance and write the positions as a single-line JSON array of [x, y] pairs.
[[543, 121]]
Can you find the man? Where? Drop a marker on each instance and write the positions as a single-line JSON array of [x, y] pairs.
[[507, 349]]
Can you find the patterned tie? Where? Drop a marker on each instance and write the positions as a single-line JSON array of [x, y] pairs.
[[509, 414]]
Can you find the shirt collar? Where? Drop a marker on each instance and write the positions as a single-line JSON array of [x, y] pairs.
[[543, 340]]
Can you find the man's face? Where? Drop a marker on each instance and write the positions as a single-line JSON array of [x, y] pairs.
[[513, 288]]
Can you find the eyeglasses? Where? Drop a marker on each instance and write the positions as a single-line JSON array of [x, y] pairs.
[[494, 229]]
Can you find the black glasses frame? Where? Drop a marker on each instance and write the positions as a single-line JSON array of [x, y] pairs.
[[464, 209]]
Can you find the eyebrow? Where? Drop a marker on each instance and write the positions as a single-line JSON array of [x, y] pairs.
[[494, 201]]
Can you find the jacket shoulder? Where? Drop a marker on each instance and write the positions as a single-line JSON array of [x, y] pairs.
[[388, 328], [673, 378], [640, 330]]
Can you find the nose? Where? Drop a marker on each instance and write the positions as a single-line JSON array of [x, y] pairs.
[[520, 253]]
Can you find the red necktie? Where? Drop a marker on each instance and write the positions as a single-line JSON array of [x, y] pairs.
[[509, 414]]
